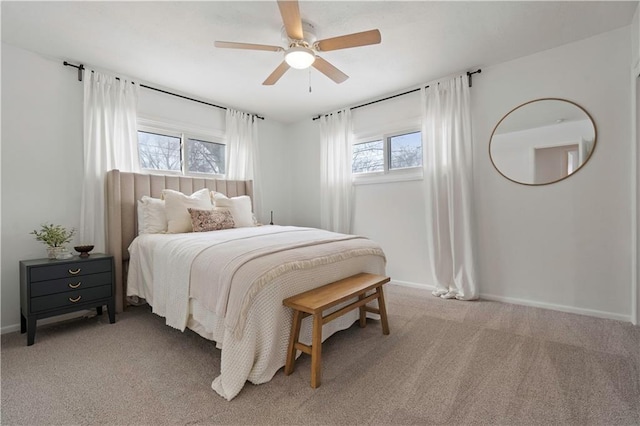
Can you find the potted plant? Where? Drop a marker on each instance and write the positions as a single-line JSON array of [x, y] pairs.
[[55, 237]]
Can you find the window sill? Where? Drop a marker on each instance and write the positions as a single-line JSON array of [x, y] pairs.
[[405, 175]]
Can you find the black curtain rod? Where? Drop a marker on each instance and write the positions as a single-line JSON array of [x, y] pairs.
[[81, 72], [469, 74]]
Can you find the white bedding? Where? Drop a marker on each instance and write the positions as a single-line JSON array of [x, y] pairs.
[[228, 286]]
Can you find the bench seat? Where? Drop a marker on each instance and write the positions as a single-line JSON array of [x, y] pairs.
[[315, 302]]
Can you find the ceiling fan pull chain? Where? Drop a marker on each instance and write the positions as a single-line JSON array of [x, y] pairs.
[[309, 80]]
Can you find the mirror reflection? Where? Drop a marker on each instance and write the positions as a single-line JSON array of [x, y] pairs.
[[542, 141]]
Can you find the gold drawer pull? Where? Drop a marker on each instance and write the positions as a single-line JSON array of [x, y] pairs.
[[76, 272], [76, 285], [77, 299]]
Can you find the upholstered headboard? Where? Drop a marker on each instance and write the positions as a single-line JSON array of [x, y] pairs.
[[125, 189]]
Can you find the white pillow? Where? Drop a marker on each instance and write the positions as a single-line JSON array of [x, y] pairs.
[[152, 218], [176, 205], [240, 208]]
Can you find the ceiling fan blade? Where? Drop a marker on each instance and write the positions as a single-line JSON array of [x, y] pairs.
[[276, 74], [248, 46], [329, 70], [290, 12], [363, 38]]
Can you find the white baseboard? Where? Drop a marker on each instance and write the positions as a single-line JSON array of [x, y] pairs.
[[523, 302], [16, 327], [561, 308], [412, 285]]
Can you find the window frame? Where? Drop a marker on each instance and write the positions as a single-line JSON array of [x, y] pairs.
[[388, 174], [388, 149], [184, 131], [161, 132]]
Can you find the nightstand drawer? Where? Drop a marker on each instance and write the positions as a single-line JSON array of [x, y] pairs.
[[41, 288], [70, 298], [69, 269]]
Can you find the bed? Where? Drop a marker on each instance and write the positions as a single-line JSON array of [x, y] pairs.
[[228, 285]]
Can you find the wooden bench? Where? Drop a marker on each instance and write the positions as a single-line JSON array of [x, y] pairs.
[[314, 302]]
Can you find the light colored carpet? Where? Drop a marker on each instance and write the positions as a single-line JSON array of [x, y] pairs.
[[445, 362]]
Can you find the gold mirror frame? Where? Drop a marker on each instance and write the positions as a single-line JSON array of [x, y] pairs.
[[517, 113]]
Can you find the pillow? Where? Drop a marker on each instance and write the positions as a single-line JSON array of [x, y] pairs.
[[211, 220], [152, 218], [176, 205], [240, 208]]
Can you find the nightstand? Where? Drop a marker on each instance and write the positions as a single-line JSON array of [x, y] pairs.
[[50, 287]]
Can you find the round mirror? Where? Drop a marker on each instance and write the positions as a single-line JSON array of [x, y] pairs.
[[542, 141]]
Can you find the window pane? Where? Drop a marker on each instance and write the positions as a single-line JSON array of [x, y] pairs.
[[205, 157], [160, 152], [405, 150], [368, 157]]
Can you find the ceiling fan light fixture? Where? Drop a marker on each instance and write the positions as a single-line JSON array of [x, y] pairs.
[[299, 57]]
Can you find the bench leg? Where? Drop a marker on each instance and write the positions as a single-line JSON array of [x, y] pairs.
[[293, 339], [363, 312], [316, 351], [383, 311]]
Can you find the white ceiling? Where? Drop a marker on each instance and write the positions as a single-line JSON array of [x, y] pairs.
[[170, 44]]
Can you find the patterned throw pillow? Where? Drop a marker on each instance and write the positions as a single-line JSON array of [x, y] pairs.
[[211, 220]]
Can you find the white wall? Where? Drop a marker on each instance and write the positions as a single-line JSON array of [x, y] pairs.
[[42, 159], [565, 246], [275, 174], [303, 140], [393, 215], [635, 37]]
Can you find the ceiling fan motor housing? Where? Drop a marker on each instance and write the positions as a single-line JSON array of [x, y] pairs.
[[308, 32]]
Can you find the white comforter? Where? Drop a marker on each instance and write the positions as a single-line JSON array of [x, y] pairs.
[[228, 286]]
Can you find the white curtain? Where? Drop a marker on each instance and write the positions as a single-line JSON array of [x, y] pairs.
[[447, 162], [110, 142], [242, 151], [336, 189]]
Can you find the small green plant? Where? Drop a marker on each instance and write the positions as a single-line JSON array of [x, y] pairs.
[[54, 235]]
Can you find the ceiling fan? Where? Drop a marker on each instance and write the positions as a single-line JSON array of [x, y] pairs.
[[302, 50]]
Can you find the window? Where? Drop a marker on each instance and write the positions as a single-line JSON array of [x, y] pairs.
[[173, 151], [205, 157], [368, 157], [405, 150], [388, 154], [159, 152]]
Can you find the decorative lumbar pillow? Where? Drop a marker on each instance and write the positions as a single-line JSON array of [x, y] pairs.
[[240, 208], [211, 220], [152, 218], [176, 205]]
